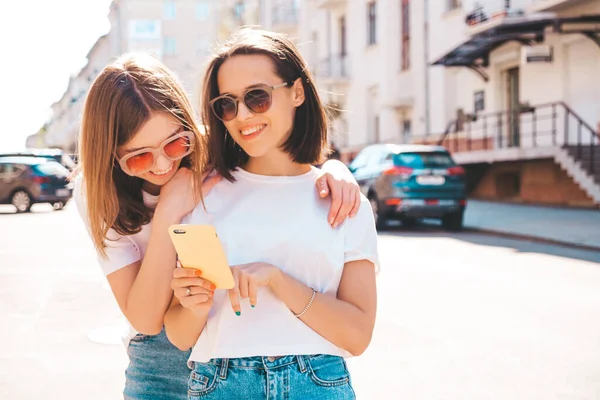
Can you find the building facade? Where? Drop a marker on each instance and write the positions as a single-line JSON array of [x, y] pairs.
[[522, 97], [63, 127], [181, 33], [510, 80], [369, 62], [516, 78], [373, 59]]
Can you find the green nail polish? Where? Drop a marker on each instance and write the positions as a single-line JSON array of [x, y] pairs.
[[238, 313], [253, 305]]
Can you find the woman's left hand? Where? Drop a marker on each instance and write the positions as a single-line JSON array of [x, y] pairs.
[[248, 277], [338, 181]]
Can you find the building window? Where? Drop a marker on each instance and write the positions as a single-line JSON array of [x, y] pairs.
[[372, 22], [377, 137], [238, 10], [169, 46], [454, 4], [406, 131], [203, 46], [343, 44], [144, 29], [479, 101], [169, 10], [202, 10], [405, 12]]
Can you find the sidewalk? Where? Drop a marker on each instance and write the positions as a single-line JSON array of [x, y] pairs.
[[570, 226]]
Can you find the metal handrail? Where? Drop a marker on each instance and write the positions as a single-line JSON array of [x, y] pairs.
[[525, 127]]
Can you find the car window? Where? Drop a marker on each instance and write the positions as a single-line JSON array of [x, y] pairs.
[[424, 160], [9, 170], [361, 160], [382, 157], [52, 168], [67, 161]]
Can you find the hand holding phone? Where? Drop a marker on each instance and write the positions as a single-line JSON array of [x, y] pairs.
[[192, 291], [198, 247]]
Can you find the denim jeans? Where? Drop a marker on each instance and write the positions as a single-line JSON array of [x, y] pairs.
[[322, 377], [157, 369]]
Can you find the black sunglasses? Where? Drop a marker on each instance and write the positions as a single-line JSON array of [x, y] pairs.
[[257, 99]]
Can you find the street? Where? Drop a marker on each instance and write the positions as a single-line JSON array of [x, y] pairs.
[[460, 316]]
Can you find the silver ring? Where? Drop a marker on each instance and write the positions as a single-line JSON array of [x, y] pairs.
[[188, 292]]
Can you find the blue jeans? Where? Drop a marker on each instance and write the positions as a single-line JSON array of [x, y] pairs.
[[157, 369], [322, 377]]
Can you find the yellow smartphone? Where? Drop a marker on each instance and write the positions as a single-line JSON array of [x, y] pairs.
[[199, 247]]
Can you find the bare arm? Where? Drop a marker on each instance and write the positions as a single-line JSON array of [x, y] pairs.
[[188, 312], [183, 326], [142, 289], [336, 180], [346, 320]]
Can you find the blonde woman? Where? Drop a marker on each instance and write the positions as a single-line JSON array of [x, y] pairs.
[[140, 139]]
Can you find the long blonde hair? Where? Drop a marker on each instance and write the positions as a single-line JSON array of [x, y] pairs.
[[120, 100]]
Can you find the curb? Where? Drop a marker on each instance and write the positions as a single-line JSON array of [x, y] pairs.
[[537, 239]]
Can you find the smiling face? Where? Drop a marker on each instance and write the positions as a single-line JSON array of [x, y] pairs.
[[260, 135], [152, 134]]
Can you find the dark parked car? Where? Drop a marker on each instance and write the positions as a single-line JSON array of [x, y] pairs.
[[407, 182], [25, 181]]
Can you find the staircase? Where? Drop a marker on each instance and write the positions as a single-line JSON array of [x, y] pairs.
[[583, 165], [552, 129]]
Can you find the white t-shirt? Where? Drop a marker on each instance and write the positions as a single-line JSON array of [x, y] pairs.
[[281, 221], [121, 250]]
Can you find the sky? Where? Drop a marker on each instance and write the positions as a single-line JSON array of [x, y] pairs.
[[42, 43]]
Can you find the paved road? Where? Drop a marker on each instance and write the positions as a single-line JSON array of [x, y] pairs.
[[461, 316]]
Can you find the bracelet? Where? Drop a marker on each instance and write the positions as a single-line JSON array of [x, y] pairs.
[[312, 298]]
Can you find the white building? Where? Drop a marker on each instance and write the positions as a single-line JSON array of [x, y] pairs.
[[523, 85], [514, 80], [179, 32], [369, 67], [64, 124], [510, 76], [372, 58]]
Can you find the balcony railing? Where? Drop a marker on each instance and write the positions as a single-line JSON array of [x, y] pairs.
[[545, 125], [284, 14], [334, 67], [493, 9]]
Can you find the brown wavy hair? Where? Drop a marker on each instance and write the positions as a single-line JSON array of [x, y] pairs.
[[307, 143], [120, 100]]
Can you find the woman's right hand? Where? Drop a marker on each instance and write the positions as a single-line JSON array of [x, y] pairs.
[[177, 195], [193, 292]]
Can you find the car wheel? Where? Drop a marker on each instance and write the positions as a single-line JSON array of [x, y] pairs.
[[380, 221], [21, 201], [59, 205], [453, 221]]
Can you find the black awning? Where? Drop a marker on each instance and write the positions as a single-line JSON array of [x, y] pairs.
[[474, 53]]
